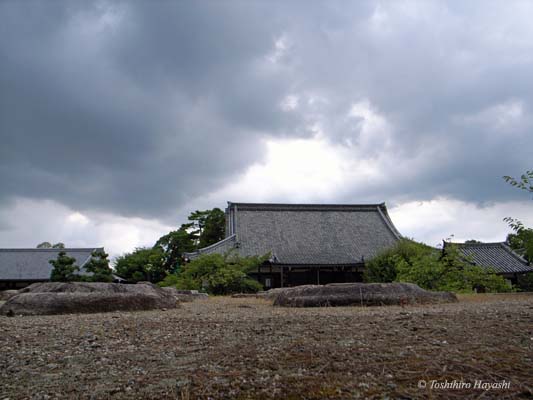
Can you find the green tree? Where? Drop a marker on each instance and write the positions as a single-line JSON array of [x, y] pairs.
[[143, 264], [197, 223], [206, 227], [48, 245], [525, 282], [220, 274], [525, 182], [64, 269], [99, 266], [383, 267], [459, 274], [173, 245], [214, 228], [170, 280], [426, 270], [429, 268], [522, 242]]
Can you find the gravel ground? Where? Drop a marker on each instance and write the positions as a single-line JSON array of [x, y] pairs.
[[245, 348]]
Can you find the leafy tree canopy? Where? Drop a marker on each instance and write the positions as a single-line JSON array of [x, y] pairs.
[[64, 269], [521, 240], [382, 268], [432, 269], [219, 274], [207, 227], [165, 257], [214, 228], [143, 264], [449, 271], [525, 182], [173, 245]]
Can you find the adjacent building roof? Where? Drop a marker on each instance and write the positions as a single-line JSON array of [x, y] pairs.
[[33, 264], [498, 256], [310, 234]]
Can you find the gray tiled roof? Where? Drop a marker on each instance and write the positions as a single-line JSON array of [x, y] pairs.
[[220, 247], [312, 234], [33, 264], [498, 256]]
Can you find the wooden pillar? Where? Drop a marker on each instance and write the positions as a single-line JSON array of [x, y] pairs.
[[259, 273], [318, 276], [281, 274]]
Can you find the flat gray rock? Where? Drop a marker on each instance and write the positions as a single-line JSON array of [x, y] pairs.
[[7, 294], [83, 297], [185, 295], [358, 294]]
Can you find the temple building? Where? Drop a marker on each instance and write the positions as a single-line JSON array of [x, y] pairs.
[[498, 257], [307, 243]]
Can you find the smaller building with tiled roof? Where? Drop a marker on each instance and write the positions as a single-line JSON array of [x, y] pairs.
[[497, 256], [22, 267]]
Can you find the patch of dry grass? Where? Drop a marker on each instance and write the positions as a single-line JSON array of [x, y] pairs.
[[495, 297]]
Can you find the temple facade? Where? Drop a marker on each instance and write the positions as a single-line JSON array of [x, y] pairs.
[[306, 243]]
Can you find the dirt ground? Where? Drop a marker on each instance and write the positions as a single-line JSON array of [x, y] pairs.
[[246, 349]]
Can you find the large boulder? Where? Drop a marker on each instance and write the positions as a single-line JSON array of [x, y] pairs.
[[359, 294], [185, 295], [83, 297], [7, 294], [272, 294]]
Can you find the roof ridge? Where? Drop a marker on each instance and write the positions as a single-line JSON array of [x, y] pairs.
[[513, 253], [28, 249], [483, 244], [309, 204], [304, 207], [212, 246], [388, 221]]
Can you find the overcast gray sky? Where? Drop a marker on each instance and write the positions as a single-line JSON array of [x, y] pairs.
[[117, 119]]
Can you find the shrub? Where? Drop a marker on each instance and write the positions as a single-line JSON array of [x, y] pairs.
[[219, 274], [383, 267], [429, 268], [463, 276], [525, 282], [170, 280], [426, 270]]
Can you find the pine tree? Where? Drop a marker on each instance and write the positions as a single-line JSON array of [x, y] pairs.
[[174, 244], [64, 268], [99, 266]]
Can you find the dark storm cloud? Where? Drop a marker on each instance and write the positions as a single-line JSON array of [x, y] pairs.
[[136, 108], [131, 108]]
